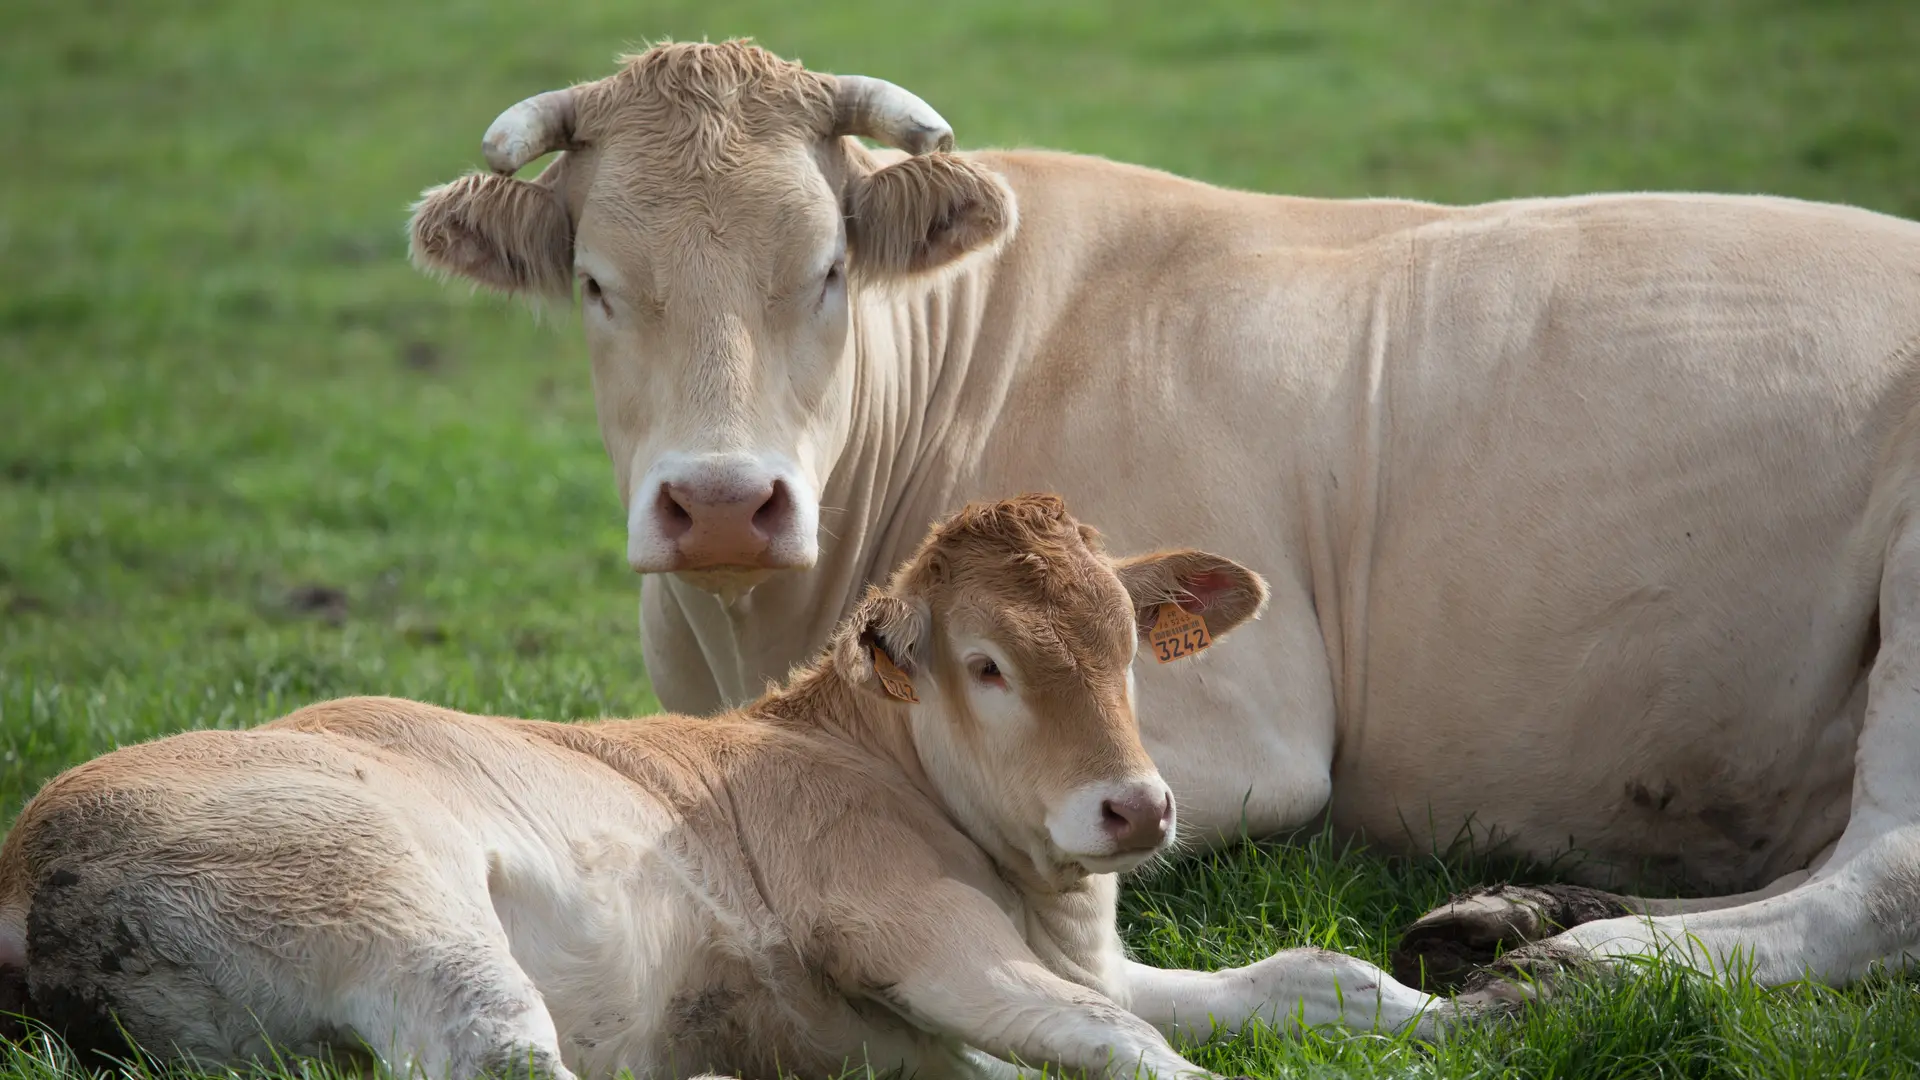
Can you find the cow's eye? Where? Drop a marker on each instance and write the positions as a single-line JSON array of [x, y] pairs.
[[590, 289], [834, 273], [986, 672]]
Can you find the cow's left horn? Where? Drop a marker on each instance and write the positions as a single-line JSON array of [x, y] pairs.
[[542, 123], [877, 109]]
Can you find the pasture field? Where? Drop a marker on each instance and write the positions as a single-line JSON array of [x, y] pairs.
[[249, 459]]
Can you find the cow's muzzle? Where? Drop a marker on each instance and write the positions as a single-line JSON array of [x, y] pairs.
[[717, 520]]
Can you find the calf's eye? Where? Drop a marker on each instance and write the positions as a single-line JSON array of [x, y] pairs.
[[986, 672]]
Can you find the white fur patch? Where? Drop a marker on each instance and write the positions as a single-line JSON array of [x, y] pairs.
[[1077, 823]]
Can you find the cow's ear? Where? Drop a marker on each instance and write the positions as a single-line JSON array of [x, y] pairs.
[[507, 234], [922, 213], [1219, 590], [881, 648]]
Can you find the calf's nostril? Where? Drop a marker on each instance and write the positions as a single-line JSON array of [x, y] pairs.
[[1137, 821]]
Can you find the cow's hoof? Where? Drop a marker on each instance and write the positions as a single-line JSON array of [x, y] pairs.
[[1491, 998], [1518, 979], [1467, 1012], [1448, 944]]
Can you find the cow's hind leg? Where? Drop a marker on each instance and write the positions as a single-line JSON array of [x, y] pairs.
[[1859, 909], [1446, 946]]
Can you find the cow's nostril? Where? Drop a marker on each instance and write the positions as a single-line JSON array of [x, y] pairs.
[[1113, 819], [776, 514], [675, 520]]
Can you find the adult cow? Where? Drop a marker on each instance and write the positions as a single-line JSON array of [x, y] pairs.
[[1587, 519]]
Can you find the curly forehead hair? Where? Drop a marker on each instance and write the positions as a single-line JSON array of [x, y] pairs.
[[1030, 532], [707, 96]]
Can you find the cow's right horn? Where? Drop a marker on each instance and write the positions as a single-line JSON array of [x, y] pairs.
[[542, 123], [877, 109]]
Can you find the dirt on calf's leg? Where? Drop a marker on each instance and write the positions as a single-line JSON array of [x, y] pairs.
[[76, 948], [1448, 944]]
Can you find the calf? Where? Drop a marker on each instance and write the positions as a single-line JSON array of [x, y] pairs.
[[905, 857]]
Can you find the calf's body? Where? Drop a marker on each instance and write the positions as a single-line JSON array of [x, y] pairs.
[[834, 876], [638, 894]]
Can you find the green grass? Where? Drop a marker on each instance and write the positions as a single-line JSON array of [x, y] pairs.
[[249, 459]]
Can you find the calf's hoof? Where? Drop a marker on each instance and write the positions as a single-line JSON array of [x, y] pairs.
[[1447, 945]]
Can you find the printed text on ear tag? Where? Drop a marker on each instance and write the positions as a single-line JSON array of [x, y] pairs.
[[1177, 633], [897, 685]]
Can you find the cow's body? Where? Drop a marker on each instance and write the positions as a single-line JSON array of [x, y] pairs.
[[1588, 520], [1508, 467]]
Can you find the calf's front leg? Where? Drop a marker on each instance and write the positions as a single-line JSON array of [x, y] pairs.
[[1288, 991], [962, 970]]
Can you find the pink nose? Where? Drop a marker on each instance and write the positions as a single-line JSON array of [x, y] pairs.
[[728, 523], [1137, 821]]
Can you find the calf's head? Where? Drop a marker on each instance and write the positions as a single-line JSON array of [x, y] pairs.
[[717, 215], [1015, 636]]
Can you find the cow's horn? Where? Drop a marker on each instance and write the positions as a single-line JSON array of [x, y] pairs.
[[542, 123], [878, 110]]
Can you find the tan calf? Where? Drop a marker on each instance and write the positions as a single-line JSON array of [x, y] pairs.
[[904, 857]]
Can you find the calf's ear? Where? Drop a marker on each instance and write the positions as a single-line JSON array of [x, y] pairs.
[[881, 648], [1217, 589], [922, 213], [507, 234]]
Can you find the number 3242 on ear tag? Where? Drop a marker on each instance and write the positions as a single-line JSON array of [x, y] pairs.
[[1177, 633], [892, 679]]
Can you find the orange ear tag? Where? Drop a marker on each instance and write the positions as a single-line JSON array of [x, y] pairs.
[[895, 681], [1177, 633]]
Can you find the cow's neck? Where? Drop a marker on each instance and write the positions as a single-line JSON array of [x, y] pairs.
[[914, 351]]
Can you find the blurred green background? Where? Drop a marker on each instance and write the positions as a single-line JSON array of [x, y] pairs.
[[249, 458]]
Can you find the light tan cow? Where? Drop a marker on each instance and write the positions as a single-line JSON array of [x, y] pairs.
[[1588, 520], [905, 857]]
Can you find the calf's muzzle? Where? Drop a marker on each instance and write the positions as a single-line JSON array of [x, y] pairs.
[[1137, 820]]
